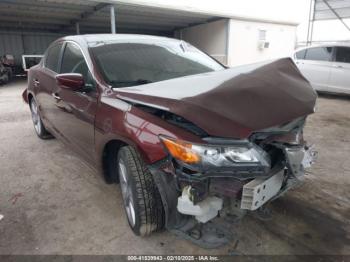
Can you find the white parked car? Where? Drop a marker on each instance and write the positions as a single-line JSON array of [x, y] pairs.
[[327, 67]]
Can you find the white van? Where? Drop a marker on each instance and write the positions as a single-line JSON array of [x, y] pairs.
[[327, 67]]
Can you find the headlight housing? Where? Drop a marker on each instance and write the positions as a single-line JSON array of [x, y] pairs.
[[208, 156]]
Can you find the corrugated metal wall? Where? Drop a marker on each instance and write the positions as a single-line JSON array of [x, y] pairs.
[[18, 44]]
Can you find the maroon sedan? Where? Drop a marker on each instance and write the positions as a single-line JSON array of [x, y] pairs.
[[188, 140]]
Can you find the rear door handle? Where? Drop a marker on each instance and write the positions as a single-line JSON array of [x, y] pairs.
[[56, 96], [36, 82]]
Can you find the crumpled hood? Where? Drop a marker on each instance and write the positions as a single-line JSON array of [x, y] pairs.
[[234, 102]]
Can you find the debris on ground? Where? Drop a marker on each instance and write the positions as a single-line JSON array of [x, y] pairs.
[[15, 198]]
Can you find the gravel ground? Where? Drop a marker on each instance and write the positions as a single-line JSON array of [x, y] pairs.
[[53, 203]]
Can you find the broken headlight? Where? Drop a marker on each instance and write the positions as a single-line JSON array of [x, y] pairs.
[[208, 156]]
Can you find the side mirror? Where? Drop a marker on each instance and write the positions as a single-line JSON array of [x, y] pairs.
[[70, 81]]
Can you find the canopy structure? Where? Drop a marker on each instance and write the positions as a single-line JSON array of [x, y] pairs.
[[328, 10], [104, 16], [95, 16]]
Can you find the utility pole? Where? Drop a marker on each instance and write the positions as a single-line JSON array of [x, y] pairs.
[[77, 28], [113, 31]]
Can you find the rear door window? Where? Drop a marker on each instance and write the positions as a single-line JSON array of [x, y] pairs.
[[52, 57], [319, 53], [343, 55]]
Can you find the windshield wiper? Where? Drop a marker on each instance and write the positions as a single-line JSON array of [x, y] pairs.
[[116, 83]]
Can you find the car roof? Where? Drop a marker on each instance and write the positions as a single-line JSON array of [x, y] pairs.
[[91, 39], [330, 44]]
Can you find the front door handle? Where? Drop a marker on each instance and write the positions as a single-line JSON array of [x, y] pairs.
[[56, 96], [338, 66]]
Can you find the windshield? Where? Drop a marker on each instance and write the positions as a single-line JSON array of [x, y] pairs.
[[130, 64]]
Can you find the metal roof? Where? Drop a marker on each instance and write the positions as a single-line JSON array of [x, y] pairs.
[[327, 10], [94, 17], [331, 9]]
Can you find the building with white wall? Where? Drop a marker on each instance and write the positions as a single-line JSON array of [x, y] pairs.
[[237, 41]]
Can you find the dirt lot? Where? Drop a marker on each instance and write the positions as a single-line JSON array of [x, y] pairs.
[[53, 203]]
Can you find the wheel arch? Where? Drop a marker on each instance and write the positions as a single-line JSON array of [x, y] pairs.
[[109, 160], [108, 148], [29, 97]]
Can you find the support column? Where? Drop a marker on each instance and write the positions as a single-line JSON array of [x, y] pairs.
[[77, 28], [113, 31]]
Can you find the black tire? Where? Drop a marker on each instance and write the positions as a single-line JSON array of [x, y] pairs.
[[8, 78], [142, 191], [4, 79], [10, 73], [39, 127]]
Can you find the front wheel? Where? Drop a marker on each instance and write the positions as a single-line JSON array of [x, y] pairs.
[[141, 198], [37, 122]]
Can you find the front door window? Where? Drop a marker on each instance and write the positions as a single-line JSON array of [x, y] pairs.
[[74, 62]]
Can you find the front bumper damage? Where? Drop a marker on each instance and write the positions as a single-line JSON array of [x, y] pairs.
[[194, 201]]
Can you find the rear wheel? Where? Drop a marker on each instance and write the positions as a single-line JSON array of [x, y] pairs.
[[37, 122], [141, 198]]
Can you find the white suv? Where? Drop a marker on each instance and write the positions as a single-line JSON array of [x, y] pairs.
[[327, 67]]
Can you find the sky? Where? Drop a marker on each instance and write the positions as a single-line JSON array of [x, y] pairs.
[[282, 10]]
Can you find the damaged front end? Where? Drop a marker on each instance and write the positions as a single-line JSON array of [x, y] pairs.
[[227, 178], [249, 121]]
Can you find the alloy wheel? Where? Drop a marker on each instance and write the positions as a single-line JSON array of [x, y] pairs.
[[127, 193], [35, 116]]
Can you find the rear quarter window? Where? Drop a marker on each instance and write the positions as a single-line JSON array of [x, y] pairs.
[[343, 55]]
